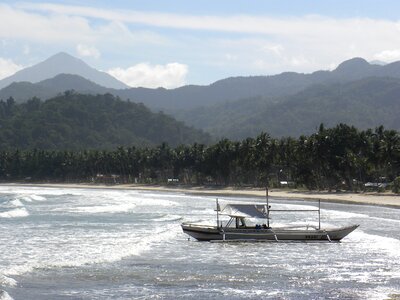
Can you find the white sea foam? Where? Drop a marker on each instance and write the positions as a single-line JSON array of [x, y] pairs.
[[38, 198], [154, 202], [247, 293], [333, 214], [385, 219], [16, 203], [15, 213], [378, 244], [85, 249], [38, 193], [31, 198], [342, 214], [5, 296], [7, 281], [174, 195], [379, 293], [168, 218], [114, 208], [26, 198], [21, 269]]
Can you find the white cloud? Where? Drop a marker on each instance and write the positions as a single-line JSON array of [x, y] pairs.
[[388, 55], [171, 75], [19, 24], [309, 25], [275, 49], [264, 45], [87, 51], [8, 68], [65, 29]]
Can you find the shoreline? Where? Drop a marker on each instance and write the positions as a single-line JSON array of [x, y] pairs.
[[369, 198]]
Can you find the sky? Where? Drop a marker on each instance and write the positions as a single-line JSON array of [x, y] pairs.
[[160, 43]]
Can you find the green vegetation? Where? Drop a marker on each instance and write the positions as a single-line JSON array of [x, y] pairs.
[[74, 121], [396, 185], [366, 103], [337, 158]]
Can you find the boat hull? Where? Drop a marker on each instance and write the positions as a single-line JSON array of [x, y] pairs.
[[210, 233]]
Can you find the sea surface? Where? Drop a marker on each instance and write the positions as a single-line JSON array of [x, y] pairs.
[[67, 243]]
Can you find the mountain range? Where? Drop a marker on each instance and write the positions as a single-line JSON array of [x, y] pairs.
[[356, 92], [364, 103]]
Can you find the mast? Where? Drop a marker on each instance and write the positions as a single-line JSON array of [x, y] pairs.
[[217, 214], [319, 214], [266, 195]]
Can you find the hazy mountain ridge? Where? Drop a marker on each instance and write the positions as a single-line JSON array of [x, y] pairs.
[[229, 89], [49, 88], [237, 107], [364, 103]]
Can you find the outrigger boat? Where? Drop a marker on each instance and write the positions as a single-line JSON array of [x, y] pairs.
[[236, 229]]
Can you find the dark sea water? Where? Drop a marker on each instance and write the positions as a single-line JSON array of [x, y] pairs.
[[124, 244]]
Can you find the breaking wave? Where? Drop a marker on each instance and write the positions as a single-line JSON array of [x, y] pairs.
[[7, 281], [168, 218], [4, 295], [15, 213], [100, 250], [31, 198], [115, 208]]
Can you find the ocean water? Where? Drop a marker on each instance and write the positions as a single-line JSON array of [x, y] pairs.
[[125, 244]]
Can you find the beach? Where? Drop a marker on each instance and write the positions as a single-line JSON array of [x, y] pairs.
[[368, 198]]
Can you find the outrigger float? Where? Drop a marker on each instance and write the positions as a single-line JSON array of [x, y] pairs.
[[237, 230]]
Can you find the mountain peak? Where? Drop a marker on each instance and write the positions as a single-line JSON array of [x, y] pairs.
[[356, 62], [62, 55], [354, 69], [63, 63]]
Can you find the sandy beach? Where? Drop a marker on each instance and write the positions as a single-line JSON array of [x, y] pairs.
[[369, 198]]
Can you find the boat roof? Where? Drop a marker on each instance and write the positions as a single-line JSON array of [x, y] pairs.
[[244, 210]]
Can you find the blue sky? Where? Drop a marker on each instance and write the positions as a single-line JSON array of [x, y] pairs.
[[172, 43]]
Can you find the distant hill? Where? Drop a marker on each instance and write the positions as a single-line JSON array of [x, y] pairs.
[[364, 103], [62, 63], [189, 97], [49, 88], [75, 121]]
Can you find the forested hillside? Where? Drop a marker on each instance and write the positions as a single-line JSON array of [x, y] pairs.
[[75, 121], [365, 103]]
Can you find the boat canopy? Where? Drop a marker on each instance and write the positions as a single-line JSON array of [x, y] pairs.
[[244, 210]]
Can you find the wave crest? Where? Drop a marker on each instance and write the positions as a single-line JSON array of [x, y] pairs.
[[15, 213]]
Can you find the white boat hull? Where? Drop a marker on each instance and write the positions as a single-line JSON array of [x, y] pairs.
[[212, 233]]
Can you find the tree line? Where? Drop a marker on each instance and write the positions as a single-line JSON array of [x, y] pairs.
[[341, 157]]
